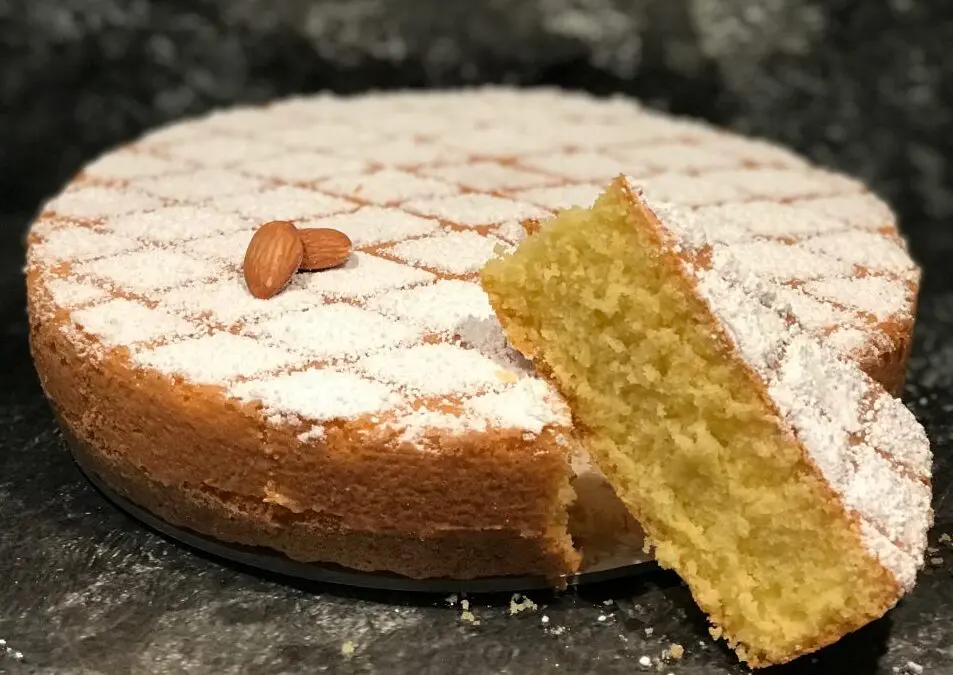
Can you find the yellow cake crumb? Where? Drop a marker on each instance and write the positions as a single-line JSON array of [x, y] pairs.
[[347, 648], [466, 615], [684, 432], [518, 605], [506, 377]]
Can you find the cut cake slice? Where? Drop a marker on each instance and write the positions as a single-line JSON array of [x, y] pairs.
[[788, 489]]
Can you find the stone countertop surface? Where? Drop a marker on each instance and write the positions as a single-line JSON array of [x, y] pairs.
[[86, 589]]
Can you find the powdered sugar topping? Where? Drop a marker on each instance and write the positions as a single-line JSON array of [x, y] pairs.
[[144, 249], [320, 395], [825, 269]]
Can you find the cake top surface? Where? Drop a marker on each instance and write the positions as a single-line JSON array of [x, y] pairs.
[[143, 250], [865, 443]]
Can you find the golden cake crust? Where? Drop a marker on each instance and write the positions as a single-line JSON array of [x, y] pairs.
[[426, 192], [176, 450]]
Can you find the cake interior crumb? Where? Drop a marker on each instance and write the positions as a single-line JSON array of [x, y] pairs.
[[683, 432]]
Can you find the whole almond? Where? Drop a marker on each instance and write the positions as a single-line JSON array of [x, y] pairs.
[[324, 248], [272, 258]]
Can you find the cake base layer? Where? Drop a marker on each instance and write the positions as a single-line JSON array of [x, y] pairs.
[[199, 461], [215, 518], [685, 432], [271, 561]]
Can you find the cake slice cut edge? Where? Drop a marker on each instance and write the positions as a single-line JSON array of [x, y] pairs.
[[788, 489]]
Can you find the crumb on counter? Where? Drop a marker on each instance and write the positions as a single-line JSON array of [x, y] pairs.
[[466, 615], [520, 603]]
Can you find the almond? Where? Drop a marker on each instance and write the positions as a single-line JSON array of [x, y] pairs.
[[272, 258], [324, 248]]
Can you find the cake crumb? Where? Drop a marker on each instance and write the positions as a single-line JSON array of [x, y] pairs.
[[645, 661], [676, 651], [347, 648], [518, 605], [602, 618], [936, 560], [913, 668], [506, 377], [544, 620], [607, 603], [649, 631], [467, 616], [946, 539]]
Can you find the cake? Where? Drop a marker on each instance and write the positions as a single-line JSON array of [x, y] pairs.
[[373, 415], [787, 487]]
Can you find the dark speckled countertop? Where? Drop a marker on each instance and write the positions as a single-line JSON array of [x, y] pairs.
[[863, 87]]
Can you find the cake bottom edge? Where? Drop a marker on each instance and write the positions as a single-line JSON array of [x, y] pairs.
[[453, 554]]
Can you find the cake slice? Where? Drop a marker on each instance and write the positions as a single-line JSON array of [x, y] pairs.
[[788, 489]]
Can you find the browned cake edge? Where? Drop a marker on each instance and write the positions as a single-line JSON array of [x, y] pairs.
[[486, 504]]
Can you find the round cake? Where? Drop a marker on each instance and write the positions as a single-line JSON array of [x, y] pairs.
[[373, 415]]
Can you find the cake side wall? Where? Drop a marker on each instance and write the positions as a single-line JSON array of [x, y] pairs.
[[483, 505]]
